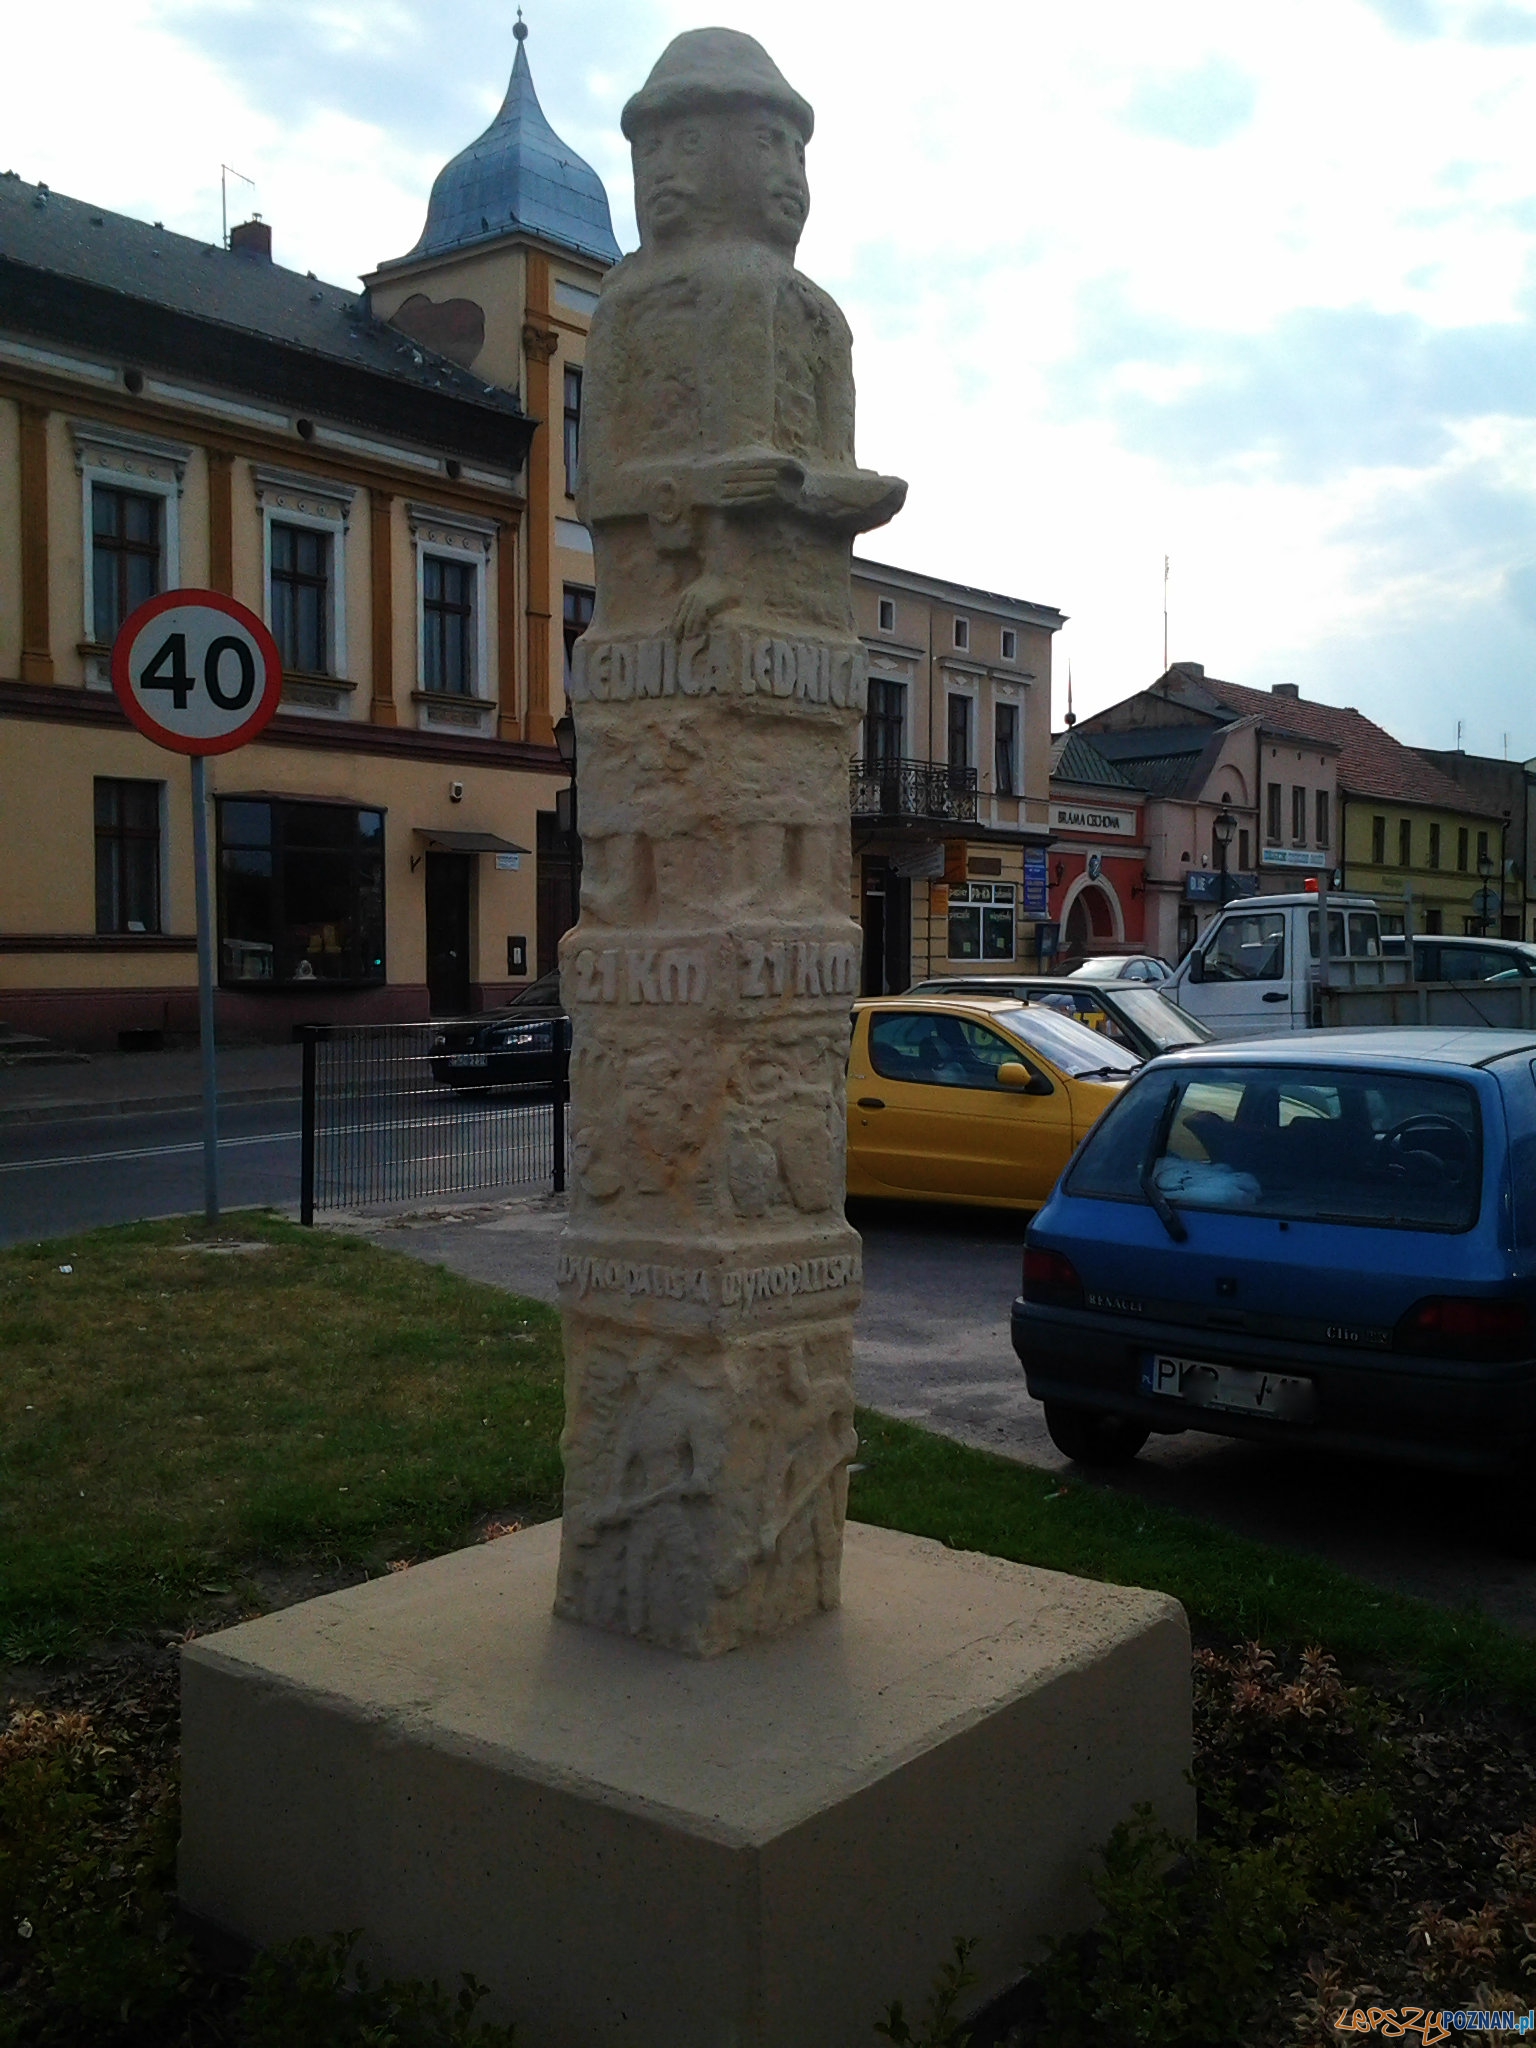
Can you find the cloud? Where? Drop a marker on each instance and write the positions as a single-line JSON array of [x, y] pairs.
[[1201, 108], [1501, 26], [1323, 391]]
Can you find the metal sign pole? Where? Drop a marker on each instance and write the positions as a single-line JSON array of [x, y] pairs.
[[205, 990]]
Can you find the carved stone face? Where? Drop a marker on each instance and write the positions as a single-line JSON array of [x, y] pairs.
[[740, 171]]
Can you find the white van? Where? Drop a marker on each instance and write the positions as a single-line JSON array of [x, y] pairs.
[[1255, 969]]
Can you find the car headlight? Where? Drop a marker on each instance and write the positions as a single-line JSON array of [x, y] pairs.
[[517, 1037]]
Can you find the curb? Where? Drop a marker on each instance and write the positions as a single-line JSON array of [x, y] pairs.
[[60, 1110]]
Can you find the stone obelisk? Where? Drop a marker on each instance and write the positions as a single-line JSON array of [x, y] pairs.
[[708, 1277]]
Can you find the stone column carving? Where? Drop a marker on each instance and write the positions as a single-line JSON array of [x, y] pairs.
[[708, 1277]]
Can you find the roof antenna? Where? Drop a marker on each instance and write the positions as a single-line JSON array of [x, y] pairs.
[[226, 172], [1071, 714]]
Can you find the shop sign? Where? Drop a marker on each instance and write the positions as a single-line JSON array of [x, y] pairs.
[[1202, 886], [1090, 818], [1037, 882], [1293, 857]]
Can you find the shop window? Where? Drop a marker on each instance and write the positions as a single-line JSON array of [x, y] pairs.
[[572, 427], [981, 920], [127, 856], [1005, 735], [447, 626], [301, 597], [578, 616], [127, 553], [301, 893]]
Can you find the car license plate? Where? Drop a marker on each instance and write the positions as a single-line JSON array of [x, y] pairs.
[[469, 1059], [1199, 1384]]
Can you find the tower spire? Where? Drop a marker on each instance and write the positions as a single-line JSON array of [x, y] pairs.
[[1071, 714]]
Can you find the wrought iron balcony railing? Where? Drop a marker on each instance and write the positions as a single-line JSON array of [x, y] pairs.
[[912, 789]]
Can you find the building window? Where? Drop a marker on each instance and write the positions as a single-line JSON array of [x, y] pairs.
[[962, 633], [959, 733], [1461, 848], [126, 551], [1298, 816], [127, 856], [981, 920], [885, 722], [1322, 819], [572, 427], [1272, 814], [578, 616], [1482, 850], [886, 612], [1243, 851], [301, 597], [1378, 842], [447, 626], [1005, 749], [301, 893], [1434, 919], [1434, 846], [1405, 842], [1010, 644]]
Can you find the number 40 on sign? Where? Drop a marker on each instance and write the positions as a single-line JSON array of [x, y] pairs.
[[196, 672]]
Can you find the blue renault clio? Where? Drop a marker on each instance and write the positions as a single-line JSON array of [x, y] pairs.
[[1325, 1240]]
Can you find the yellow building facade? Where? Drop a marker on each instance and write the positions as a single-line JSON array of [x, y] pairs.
[[1432, 868], [384, 477]]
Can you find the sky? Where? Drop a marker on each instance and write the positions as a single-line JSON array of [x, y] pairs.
[[1246, 287]]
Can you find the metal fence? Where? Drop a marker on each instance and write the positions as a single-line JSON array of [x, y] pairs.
[[383, 1121]]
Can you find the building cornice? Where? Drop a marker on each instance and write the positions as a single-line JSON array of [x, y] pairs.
[[56, 704], [1017, 610]]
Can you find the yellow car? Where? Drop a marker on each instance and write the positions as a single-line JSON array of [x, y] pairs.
[[971, 1099]]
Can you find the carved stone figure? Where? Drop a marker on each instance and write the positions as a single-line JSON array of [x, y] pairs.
[[708, 1278]]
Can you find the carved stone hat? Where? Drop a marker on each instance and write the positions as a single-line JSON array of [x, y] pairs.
[[709, 69]]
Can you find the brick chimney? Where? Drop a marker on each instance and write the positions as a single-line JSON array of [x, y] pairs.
[[1285, 689], [252, 239]]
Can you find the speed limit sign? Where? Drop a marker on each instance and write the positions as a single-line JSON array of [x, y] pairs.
[[200, 674], [196, 671]]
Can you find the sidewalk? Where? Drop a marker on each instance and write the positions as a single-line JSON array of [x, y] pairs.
[[129, 1083]]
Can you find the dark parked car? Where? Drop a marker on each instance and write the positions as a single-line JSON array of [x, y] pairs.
[[1131, 1013], [1327, 1241], [524, 1042]]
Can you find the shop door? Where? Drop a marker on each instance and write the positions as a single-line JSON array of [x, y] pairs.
[[448, 934], [557, 890], [885, 908]]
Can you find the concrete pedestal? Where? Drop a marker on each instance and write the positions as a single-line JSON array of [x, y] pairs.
[[638, 1850]]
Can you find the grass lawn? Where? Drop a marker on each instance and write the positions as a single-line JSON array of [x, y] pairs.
[[175, 1416], [192, 1428], [179, 1419]]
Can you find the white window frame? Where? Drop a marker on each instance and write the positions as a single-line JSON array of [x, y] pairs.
[[1010, 643], [962, 636], [454, 537], [885, 614], [1007, 698], [122, 461], [289, 499]]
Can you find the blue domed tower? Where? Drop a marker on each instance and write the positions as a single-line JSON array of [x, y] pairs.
[[504, 281], [519, 175]]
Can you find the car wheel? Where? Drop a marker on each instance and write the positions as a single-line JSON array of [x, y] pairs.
[[1090, 1437]]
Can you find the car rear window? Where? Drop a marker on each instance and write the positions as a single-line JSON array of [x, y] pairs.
[[1306, 1144]]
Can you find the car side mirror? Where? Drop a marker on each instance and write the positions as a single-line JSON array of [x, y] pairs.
[[1013, 1074], [1197, 967]]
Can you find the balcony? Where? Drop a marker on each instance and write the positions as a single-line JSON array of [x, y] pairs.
[[920, 790]]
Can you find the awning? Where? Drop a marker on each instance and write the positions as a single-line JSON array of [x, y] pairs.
[[466, 842]]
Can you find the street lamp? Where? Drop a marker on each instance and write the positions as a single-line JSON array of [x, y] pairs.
[[1223, 825], [1485, 875]]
